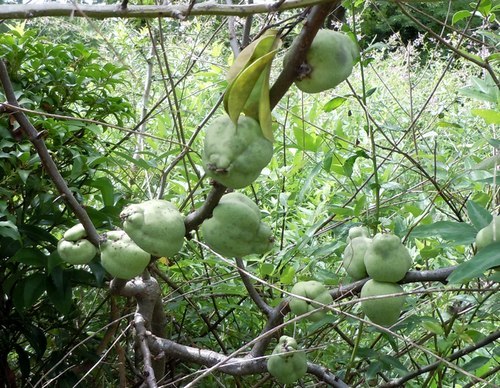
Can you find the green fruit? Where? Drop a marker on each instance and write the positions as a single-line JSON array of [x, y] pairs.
[[312, 290], [387, 259], [353, 258], [383, 311], [235, 228], [357, 231], [155, 226], [235, 155], [489, 234], [329, 61], [287, 363], [76, 252], [75, 233], [121, 257]]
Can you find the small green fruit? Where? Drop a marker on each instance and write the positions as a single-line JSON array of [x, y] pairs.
[[387, 259], [235, 228], [155, 226], [353, 258], [235, 155], [76, 252], [383, 311], [75, 233], [287, 363], [357, 231], [330, 60], [489, 234], [121, 257], [315, 291]]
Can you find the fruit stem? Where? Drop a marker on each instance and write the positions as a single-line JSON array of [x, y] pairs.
[[354, 350]]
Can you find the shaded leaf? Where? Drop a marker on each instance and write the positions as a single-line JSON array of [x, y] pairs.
[[479, 216], [458, 232], [485, 259]]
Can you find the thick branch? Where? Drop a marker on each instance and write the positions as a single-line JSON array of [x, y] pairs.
[[178, 11], [50, 167], [194, 219]]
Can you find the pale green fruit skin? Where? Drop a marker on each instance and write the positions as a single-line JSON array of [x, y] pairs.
[[75, 233], [156, 226], [235, 155], [331, 57], [314, 290], [386, 311], [121, 257], [353, 258], [76, 252], [357, 231], [287, 363], [387, 259], [235, 228], [489, 234]]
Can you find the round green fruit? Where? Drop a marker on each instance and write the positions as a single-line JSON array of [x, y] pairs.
[[121, 257], [383, 311], [353, 258], [489, 234], [234, 155], [387, 259], [76, 252], [235, 228], [287, 363], [315, 291], [155, 226], [329, 61], [75, 233]]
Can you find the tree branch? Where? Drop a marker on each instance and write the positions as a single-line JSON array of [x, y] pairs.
[[194, 219], [48, 163], [261, 304], [177, 11]]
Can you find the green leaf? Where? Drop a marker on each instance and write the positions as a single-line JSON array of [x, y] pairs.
[[488, 115], [489, 163], [475, 363], [287, 275], [495, 143], [459, 233], [60, 292], [460, 15], [393, 363], [30, 256], [8, 229], [105, 185], [334, 103], [432, 325], [479, 216], [485, 259]]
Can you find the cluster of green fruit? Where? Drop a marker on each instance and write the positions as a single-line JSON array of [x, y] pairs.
[[152, 227], [156, 227], [386, 260]]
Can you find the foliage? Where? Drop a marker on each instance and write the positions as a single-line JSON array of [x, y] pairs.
[[380, 150]]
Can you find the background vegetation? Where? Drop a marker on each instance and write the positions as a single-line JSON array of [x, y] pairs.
[[408, 145]]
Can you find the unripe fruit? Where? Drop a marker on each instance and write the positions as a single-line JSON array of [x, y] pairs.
[[121, 257], [357, 231], [353, 258], [387, 259], [76, 252], [155, 226], [235, 228], [383, 311], [330, 60], [235, 155], [489, 234], [75, 233], [287, 363], [315, 291]]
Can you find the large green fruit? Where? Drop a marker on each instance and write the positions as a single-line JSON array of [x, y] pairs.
[[383, 311], [315, 291], [76, 252], [353, 258], [155, 226], [489, 234], [235, 155], [235, 228], [329, 61], [287, 363], [121, 257], [387, 259]]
